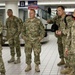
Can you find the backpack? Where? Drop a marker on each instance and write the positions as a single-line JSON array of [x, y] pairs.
[[65, 19]]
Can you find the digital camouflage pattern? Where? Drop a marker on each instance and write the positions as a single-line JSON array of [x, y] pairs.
[[13, 32], [33, 32], [2, 68], [71, 46], [21, 24], [59, 38], [64, 29]]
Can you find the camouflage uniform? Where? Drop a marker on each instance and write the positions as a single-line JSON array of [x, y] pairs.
[[71, 46], [13, 31], [65, 29], [59, 38], [2, 68], [21, 24], [33, 31]]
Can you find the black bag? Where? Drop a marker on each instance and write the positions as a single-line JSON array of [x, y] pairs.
[[54, 27], [45, 33]]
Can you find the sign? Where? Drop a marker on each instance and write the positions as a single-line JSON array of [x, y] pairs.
[[22, 3], [32, 5]]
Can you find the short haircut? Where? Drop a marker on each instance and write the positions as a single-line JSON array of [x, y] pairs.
[[62, 7], [10, 10], [32, 10]]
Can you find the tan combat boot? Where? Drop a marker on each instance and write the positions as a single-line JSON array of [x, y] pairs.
[[37, 68], [17, 61], [66, 70], [62, 62], [11, 60], [71, 73], [2, 73], [28, 68]]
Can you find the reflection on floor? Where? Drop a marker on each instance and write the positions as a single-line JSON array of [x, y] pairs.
[[49, 59]]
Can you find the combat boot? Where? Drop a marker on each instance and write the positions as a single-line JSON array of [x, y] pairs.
[[28, 68], [37, 68], [66, 70], [62, 62], [71, 73], [2, 73], [65, 66], [17, 61], [11, 60]]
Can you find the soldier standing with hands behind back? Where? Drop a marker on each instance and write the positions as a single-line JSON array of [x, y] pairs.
[[13, 32], [33, 32]]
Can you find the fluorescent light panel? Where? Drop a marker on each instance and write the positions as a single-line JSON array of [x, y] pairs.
[[55, 3]]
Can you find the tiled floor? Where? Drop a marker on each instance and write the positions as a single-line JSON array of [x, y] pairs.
[[49, 60]]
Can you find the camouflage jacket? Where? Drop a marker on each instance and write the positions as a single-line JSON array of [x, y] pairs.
[[33, 29], [13, 27], [56, 20], [65, 29], [1, 27], [20, 23], [71, 38]]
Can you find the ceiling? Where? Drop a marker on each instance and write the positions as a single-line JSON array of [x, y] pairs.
[[54, 0], [41, 0], [51, 3], [7, 0]]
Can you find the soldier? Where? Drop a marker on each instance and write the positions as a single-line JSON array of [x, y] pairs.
[[63, 30], [33, 32], [13, 32], [70, 48], [56, 19], [2, 68]]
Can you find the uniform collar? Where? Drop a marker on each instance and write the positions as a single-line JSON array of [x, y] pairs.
[[32, 19], [63, 17]]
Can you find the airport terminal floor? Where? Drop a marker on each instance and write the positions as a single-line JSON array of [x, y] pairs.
[[49, 60]]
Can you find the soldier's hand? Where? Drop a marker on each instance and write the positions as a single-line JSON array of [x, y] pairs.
[[66, 52], [59, 32], [48, 21], [56, 32]]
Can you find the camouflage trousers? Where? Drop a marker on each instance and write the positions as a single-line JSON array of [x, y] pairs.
[[60, 47], [64, 43], [14, 44], [36, 47], [2, 68], [71, 59]]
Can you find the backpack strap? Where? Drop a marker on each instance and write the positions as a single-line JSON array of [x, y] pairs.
[[65, 19]]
